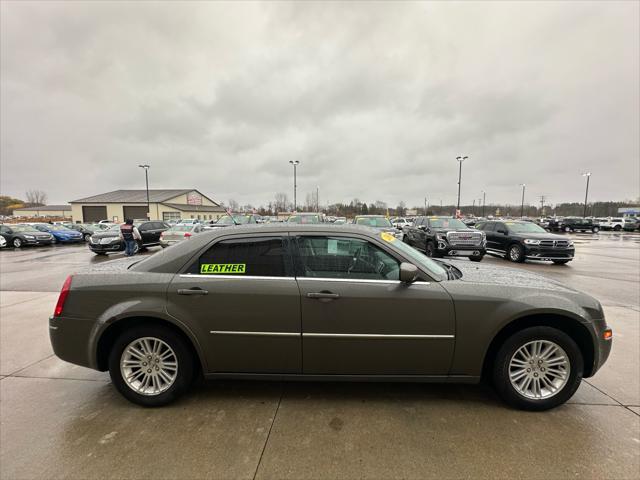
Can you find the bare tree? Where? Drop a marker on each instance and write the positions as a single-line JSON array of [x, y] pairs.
[[233, 205], [36, 198], [281, 202]]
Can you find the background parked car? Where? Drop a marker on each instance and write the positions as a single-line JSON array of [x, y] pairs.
[[229, 221], [3, 241], [631, 224], [379, 222], [577, 224], [109, 241], [445, 236], [401, 222], [60, 233], [517, 241], [613, 223], [178, 233], [20, 235], [305, 218], [86, 229]]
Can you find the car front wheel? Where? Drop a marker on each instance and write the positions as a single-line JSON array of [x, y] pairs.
[[151, 365], [476, 258], [567, 229], [538, 368], [516, 253], [17, 243], [595, 229], [430, 249]]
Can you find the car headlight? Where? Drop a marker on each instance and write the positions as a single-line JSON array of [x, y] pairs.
[[531, 241], [29, 236], [441, 236], [570, 244]]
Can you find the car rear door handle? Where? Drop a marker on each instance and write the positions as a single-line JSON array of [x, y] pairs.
[[192, 291], [323, 296]]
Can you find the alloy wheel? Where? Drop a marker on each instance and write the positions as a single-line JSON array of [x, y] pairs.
[[17, 242], [539, 369], [149, 366], [514, 253]]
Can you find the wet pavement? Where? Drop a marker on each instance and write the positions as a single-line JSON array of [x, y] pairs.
[[62, 421]]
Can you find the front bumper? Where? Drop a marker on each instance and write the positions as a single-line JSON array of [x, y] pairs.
[[106, 247], [447, 250], [534, 252], [602, 346]]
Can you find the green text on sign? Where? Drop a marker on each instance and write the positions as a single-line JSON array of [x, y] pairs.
[[223, 268]]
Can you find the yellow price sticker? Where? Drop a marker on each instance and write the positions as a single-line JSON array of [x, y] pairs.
[[223, 268], [388, 237]]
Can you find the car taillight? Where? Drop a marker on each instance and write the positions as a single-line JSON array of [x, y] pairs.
[[187, 235], [63, 297]]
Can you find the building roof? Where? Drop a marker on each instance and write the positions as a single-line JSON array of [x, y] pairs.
[[194, 208], [45, 208], [135, 196]]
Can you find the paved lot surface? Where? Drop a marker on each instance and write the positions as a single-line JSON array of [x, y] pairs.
[[58, 420]]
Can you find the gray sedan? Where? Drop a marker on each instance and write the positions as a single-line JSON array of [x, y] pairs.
[[324, 302]]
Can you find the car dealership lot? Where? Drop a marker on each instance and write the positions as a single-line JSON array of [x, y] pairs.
[[62, 420]]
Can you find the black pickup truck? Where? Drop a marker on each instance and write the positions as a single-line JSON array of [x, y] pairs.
[[574, 224], [445, 237]]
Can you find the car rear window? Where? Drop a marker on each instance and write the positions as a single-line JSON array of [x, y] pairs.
[[257, 257]]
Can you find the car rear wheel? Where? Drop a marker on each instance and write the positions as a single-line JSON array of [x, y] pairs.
[[617, 228], [151, 365], [567, 229], [538, 368], [516, 253], [87, 237], [17, 243]]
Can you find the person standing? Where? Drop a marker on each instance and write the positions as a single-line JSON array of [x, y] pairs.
[[130, 234]]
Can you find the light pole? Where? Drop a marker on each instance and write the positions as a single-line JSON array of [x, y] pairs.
[[586, 193], [523, 185], [295, 163], [425, 206], [460, 160], [146, 179], [318, 198], [484, 201]]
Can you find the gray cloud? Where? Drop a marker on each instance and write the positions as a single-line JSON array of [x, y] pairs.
[[375, 99]]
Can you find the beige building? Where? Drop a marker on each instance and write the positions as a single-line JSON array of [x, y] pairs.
[[163, 205], [53, 211]]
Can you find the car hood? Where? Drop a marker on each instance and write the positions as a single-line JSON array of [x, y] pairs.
[[70, 233], [107, 234], [465, 230], [543, 236], [490, 275]]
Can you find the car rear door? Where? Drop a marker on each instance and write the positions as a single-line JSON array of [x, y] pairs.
[[359, 319], [241, 298]]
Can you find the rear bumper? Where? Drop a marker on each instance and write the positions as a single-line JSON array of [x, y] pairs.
[[70, 340]]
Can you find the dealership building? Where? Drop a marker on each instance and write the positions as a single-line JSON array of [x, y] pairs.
[[53, 211], [119, 205]]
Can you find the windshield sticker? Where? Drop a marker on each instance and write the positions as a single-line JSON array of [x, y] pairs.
[[388, 237], [223, 268]]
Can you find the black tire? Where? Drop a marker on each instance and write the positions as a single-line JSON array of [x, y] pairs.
[[617, 228], [430, 249], [185, 364], [567, 229], [87, 237], [503, 384], [560, 262], [17, 243], [515, 253], [476, 258]]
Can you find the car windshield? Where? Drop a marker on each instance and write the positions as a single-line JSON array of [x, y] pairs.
[[304, 219], [373, 221], [239, 220], [58, 228], [181, 228], [24, 228], [419, 259], [516, 227], [452, 223]]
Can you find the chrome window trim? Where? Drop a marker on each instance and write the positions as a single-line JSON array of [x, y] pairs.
[[375, 335], [237, 276], [266, 334], [317, 279], [358, 280]]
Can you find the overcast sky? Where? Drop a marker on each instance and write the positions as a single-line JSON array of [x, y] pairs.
[[374, 99]]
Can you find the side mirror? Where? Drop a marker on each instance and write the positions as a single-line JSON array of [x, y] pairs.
[[408, 272]]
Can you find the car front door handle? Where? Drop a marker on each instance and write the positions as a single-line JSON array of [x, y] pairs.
[[192, 291], [323, 296]]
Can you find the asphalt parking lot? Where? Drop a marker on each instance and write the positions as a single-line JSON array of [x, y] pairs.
[[59, 420]]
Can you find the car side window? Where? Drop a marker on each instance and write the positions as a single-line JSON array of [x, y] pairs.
[[5, 230], [489, 227], [344, 257], [256, 257]]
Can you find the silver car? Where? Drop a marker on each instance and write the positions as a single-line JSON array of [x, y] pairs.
[[178, 233]]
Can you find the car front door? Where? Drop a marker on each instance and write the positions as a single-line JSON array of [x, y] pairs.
[[241, 299], [501, 237], [359, 319], [489, 230]]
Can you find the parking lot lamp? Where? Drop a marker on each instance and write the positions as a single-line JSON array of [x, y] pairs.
[[295, 164], [460, 160], [318, 198], [146, 179], [586, 193], [484, 201], [523, 185]]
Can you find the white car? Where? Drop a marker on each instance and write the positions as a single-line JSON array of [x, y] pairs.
[[3, 242], [399, 223], [613, 223]]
